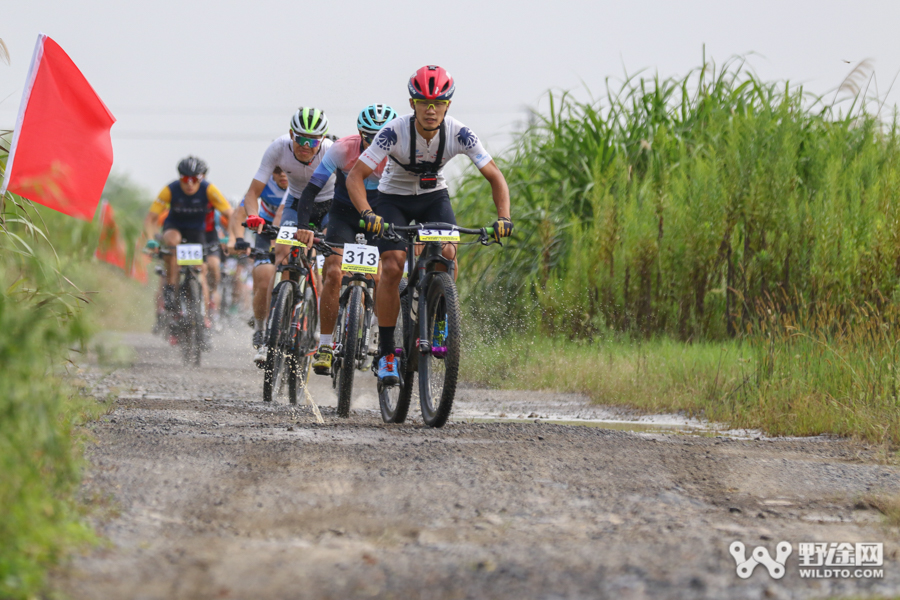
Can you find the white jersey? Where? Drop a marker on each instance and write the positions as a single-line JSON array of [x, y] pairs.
[[393, 140], [280, 153]]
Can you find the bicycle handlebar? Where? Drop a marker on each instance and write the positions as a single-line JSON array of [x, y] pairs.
[[390, 230]]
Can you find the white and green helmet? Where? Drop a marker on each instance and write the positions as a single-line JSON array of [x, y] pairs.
[[309, 121]]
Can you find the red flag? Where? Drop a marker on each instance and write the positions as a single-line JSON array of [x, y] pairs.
[[111, 248], [61, 151], [139, 264]]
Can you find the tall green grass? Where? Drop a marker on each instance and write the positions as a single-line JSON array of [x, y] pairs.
[[677, 206], [46, 311], [806, 373], [715, 209], [40, 460]]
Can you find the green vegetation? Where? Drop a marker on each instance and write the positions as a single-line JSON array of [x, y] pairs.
[[49, 304], [789, 378], [39, 450], [717, 210]]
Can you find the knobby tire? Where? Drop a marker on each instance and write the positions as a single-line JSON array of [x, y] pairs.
[[394, 401], [438, 376], [298, 372], [279, 335], [350, 337], [192, 297]]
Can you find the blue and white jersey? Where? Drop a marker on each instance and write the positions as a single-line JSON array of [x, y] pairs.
[[393, 140], [270, 199]]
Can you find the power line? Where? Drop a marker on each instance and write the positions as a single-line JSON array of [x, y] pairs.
[[269, 111], [191, 137]]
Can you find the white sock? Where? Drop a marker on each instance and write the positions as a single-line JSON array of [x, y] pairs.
[[325, 339], [260, 324]]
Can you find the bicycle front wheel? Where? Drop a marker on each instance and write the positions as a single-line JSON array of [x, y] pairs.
[[280, 341], [394, 400], [305, 346], [192, 311], [439, 368], [351, 333]]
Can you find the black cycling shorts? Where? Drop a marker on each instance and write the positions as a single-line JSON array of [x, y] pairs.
[[189, 236], [343, 224], [263, 243], [433, 207]]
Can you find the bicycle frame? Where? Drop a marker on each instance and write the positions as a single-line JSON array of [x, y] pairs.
[[421, 270]]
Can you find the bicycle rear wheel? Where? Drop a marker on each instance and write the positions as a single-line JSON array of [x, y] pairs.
[[279, 342], [394, 401], [351, 333], [439, 368]]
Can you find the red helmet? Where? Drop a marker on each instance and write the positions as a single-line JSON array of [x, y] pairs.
[[431, 83]]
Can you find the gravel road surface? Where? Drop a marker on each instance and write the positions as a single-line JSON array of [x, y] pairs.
[[203, 492]]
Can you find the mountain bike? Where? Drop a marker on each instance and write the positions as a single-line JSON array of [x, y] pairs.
[[186, 323], [429, 324], [356, 310], [293, 320]]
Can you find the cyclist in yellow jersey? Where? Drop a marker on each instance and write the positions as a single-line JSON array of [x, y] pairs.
[[187, 199]]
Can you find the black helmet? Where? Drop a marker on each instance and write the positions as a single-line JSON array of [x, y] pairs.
[[191, 167]]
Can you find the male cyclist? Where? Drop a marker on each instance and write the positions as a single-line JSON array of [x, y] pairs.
[[271, 204], [413, 188], [188, 200], [343, 218], [298, 153]]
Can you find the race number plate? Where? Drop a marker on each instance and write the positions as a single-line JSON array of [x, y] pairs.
[[320, 262], [286, 236], [189, 254], [438, 235], [360, 258]]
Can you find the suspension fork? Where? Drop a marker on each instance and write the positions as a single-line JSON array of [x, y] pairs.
[[426, 274]]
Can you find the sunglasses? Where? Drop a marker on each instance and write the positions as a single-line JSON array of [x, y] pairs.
[[305, 141], [431, 103], [368, 137], [196, 179]]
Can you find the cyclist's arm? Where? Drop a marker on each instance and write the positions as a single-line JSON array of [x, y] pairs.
[[218, 201], [276, 220], [159, 206], [356, 186], [235, 228], [151, 227], [251, 198], [499, 189]]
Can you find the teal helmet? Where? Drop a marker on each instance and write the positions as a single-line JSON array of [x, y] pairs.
[[373, 117]]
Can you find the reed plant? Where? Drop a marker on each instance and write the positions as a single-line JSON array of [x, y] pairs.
[[675, 206], [713, 243]]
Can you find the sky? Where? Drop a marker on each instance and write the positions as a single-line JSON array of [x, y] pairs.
[[221, 79]]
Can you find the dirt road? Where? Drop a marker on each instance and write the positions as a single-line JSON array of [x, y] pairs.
[[205, 492]]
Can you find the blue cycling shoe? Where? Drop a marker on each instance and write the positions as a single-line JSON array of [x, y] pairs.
[[387, 370]]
